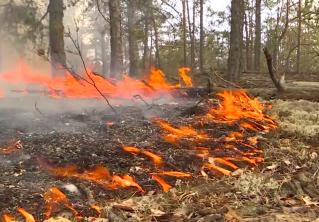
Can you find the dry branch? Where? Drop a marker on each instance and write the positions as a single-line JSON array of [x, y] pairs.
[[91, 82], [278, 83]]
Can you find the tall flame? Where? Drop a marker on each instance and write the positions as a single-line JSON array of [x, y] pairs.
[[184, 74]]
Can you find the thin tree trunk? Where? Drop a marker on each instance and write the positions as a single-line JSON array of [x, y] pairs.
[[103, 50], [156, 42], [184, 33], [116, 67], [56, 35], [257, 47], [146, 49], [201, 37], [299, 37], [281, 37], [247, 45], [236, 40], [132, 38], [191, 36]]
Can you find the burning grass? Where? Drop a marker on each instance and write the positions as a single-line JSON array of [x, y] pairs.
[[158, 153]]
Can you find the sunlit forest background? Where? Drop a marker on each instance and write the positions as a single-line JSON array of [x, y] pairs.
[[130, 36]]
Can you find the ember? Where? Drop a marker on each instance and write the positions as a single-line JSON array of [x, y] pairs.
[[13, 147]]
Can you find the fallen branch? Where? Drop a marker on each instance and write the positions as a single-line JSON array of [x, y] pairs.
[[278, 83]]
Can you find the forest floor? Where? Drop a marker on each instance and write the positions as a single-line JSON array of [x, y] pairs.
[[282, 188]]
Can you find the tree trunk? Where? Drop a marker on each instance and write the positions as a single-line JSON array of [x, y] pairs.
[[236, 40], [103, 50], [201, 37], [56, 36], [184, 33], [132, 37], [146, 49], [299, 37], [191, 36], [247, 45], [156, 42], [257, 47], [116, 67]]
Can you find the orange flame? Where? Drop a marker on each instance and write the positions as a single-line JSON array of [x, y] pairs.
[[184, 74], [98, 209], [165, 186], [174, 174], [99, 175], [176, 134], [157, 160], [8, 218], [213, 167], [28, 217], [54, 197], [71, 87], [15, 146], [238, 105]]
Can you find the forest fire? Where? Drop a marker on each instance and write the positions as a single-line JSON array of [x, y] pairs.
[[221, 141]]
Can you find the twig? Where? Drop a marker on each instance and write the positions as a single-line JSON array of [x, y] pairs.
[[226, 81], [91, 82], [100, 11], [141, 98], [37, 108]]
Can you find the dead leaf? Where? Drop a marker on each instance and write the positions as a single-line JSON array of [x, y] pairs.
[[272, 167], [157, 213], [309, 202], [232, 216]]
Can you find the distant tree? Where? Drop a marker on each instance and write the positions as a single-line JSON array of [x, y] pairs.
[[116, 67], [201, 36], [236, 40], [132, 7], [56, 36], [257, 47]]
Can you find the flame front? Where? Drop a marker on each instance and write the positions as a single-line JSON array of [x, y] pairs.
[[71, 86], [99, 175]]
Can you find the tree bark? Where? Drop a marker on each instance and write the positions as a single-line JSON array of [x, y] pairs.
[[191, 36], [184, 33], [103, 50], [156, 42], [132, 38], [257, 47], [236, 40], [116, 67], [201, 37], [247, 45], [146, 49], [56, 36], [299, 37]]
